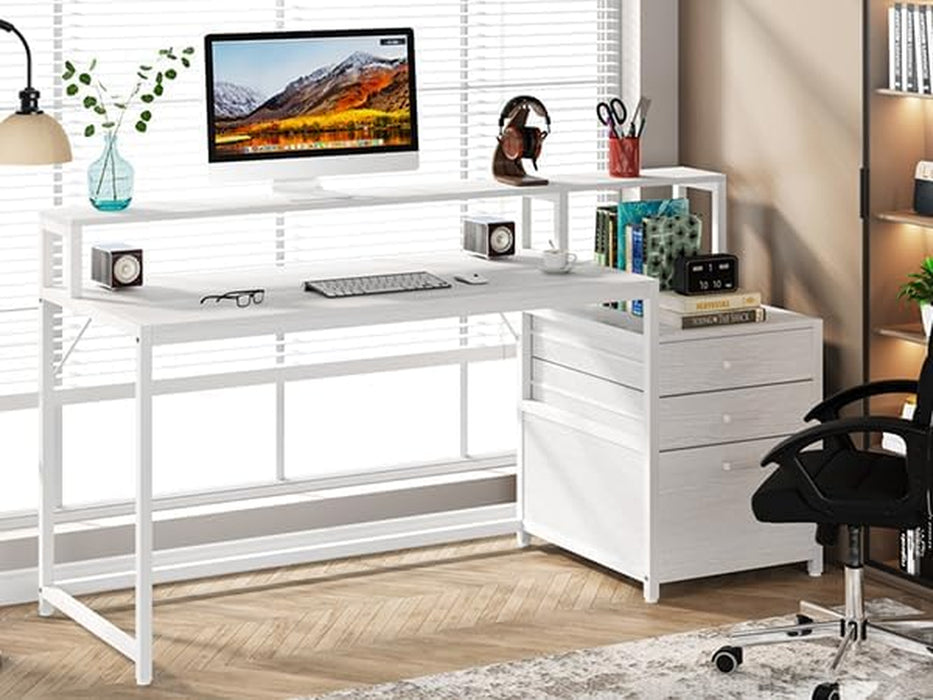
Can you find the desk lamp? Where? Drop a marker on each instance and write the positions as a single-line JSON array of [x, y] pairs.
[[31, 137]]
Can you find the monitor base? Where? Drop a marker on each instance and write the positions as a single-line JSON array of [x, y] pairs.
[[307, 189]]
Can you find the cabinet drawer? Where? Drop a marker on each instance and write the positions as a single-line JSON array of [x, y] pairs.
[[705, 520], [729, 416], [728, 363]]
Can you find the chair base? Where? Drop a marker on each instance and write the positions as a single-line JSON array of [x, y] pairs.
[[816, 621]]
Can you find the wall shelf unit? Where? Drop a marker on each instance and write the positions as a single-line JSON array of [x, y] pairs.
[[896, 135]]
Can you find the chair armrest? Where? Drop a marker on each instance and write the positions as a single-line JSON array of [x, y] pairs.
[[787, 453], [829, 409]]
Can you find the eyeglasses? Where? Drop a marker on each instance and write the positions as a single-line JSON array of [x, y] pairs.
[[243, 297]]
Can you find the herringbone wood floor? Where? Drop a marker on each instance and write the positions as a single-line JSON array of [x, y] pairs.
[[310, 629]]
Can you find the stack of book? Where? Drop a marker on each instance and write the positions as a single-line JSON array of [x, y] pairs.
[[702, 311], [910, 39], [645, 237]]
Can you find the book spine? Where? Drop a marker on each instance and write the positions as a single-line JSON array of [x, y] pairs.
[[920, 46], [638, 262], [897, 43], [710, 304], [911, 64], [724, 318], [929, 45], [611, 239], [893, 47], [598, 238]]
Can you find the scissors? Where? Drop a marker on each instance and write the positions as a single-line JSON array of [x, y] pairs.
[[613, 114]]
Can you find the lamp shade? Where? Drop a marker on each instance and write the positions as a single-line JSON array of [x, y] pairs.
[[33, 139]]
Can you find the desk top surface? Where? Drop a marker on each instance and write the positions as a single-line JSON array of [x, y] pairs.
[[368, 192], [169, 307]]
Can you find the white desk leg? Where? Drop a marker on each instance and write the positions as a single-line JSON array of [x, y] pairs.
[[49, 453], [526, 222], [523, 539], [562, 220], [815, 565], [280, 410], [144, 509], [74, 246], [652, 588], [719, 237]]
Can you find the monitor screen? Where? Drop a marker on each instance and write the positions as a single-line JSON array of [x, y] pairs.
[[307, 94]]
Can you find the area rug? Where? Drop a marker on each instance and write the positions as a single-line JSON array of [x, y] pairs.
[[678, 666]]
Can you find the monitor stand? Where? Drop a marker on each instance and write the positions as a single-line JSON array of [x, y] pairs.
[[306, 189]]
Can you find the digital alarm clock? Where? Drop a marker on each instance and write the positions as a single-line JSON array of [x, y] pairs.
[[706, 274]]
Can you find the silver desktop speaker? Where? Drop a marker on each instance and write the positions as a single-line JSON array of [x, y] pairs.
[[488, 236], [115, 265]]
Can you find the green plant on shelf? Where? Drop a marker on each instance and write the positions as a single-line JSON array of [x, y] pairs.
[[108, 111], [919, 288]]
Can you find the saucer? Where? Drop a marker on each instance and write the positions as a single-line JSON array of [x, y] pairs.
[[556, 272]]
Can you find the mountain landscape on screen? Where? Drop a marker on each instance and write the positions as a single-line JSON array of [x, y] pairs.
[[363, 99]]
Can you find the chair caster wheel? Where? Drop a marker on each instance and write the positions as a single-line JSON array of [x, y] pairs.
[[727, 659], [802, 620], [826, 691]]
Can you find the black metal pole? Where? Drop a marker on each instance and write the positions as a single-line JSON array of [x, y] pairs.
[[29, 97]]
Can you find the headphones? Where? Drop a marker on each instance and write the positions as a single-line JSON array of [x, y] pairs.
[[522, 141]]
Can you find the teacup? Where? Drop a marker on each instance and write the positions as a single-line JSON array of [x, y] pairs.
[[554, 260]]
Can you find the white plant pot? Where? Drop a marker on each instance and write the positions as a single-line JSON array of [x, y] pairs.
[[926, 312]]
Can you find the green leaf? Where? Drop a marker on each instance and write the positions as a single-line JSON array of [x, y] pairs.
[[89, 102], [100, 110], [85, 78], [68, 74], [145, 68], [89, 130], [142, 76], [163, 52], [173, 57], [93, 64], [158, 90], [188, 51], [109, 125], [147, 98], [171, 74], [185, 62], [71, 89], [69, 66], [119, 105], [159, 77], [146, 115], [141, 126]]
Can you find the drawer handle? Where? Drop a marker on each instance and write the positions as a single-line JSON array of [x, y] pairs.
[[726, 364], [730, 467], [726, 418]]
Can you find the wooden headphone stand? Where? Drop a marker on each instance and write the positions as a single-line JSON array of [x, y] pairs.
[[512, 172]]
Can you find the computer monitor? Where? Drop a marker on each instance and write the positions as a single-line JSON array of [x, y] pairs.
[[293, 106]]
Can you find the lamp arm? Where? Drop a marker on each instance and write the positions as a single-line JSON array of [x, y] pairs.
[[6, 26]]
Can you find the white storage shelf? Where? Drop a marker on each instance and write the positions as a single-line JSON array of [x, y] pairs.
[[725, 396]]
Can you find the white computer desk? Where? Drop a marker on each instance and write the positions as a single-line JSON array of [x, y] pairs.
[[167, 311]]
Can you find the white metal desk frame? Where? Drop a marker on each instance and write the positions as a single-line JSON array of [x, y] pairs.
[[65, 228]]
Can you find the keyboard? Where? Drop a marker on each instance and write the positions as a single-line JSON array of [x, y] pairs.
[[376, 284]]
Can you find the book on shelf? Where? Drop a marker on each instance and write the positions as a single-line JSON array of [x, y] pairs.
[[683, 320], [895, 66], [710, 303], [910, 44]]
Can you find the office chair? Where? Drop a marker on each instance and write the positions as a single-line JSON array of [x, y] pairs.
[[842, 485]]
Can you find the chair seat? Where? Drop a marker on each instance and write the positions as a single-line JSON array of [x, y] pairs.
[[870, 477]]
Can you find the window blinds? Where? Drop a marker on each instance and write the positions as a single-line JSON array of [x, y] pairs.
[[471, 58]]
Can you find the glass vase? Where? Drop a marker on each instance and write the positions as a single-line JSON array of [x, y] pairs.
[[110, 178]]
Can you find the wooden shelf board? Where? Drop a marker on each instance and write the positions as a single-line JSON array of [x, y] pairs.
[[906, 216], [902, 93], [911, 332]]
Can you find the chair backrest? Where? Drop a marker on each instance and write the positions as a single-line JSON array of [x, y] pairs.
[[925, 389]]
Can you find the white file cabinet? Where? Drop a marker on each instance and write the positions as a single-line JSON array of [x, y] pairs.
[[726, 396]]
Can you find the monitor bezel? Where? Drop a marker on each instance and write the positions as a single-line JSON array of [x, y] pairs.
[[210, 39]]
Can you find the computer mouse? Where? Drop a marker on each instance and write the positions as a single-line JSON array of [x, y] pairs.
[[472, 278]]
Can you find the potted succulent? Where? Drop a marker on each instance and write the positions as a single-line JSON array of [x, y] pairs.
[[920, 290], [110, 177]]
